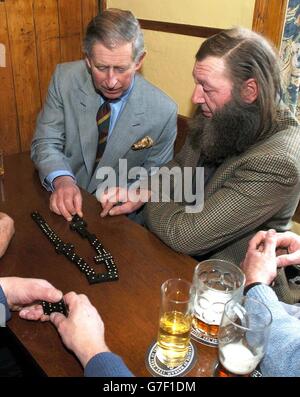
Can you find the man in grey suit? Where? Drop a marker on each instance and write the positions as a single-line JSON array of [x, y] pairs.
[[142, 123]]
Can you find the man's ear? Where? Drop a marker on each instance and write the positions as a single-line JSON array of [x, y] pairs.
[[249, 90], [88, 63], [139, 63]]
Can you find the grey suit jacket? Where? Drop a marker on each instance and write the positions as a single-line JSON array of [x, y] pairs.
[[66, 134], [258, 189]]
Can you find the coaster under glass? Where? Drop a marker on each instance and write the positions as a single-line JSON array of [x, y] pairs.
[[157, 368]]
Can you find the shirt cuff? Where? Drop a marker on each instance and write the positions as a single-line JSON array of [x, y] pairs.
[[264, 293], [249, 286], [48, 181]]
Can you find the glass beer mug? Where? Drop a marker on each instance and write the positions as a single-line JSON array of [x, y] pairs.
[[215, 282]]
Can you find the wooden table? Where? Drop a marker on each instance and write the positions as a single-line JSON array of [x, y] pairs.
[[129, 307]]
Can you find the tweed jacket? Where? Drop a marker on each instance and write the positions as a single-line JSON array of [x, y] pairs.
[[66, 135], [258, 189]]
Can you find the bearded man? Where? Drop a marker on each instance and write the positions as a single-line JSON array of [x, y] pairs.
[[249, 145]]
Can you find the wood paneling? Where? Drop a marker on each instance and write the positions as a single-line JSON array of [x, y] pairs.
[[268, 19], [9, 140], [178, 28], [47, 41], [24, 65], [37, 34], [89, 8], [70, 24], [102, 5]]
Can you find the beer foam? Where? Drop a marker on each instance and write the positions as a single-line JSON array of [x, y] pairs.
[[209, 306], [238, 359]]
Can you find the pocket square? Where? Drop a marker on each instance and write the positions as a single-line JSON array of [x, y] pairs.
[[144, 143]]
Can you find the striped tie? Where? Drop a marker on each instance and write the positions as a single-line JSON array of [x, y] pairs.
[[103, 119]]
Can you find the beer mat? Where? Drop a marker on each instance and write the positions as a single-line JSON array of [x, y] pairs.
[[256, 374], [157, 368], [201, 337]]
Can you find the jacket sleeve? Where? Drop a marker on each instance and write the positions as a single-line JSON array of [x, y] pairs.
[[106, 365], [49, 139]]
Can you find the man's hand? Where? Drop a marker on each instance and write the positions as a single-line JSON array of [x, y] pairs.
[[6, 232], [21, 293], [66, 200], [260, 263], [291, 242], [83, 330], [118, 201]]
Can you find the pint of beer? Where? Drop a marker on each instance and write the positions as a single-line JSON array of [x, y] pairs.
[[175, 322], [215, 282], [243, 336]]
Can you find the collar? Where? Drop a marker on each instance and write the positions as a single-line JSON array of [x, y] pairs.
[[125, 94]]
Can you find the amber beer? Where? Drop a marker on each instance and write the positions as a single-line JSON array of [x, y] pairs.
[[173, 338], [221, 372], [175, 322], [208, 329]]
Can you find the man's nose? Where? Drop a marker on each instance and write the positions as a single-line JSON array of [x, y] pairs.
[[197, 96], [111, 78]]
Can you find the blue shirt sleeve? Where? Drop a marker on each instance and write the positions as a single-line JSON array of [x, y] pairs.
[[106, 364], [4, 302], [48, 182], [282, 355]]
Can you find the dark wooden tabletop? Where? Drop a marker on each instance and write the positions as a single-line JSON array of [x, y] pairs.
[[129, 307]]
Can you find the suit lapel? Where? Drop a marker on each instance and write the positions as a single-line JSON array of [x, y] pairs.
[[88, 104]]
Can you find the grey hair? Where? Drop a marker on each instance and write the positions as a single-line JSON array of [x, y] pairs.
[[248, 55], [114, 27]]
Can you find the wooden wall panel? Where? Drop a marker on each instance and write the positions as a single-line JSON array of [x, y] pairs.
[[89, 9], [268, 19], [102, 5], [9, 141], [24, 65], [47, 41], [37, 34], [70, 25]]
